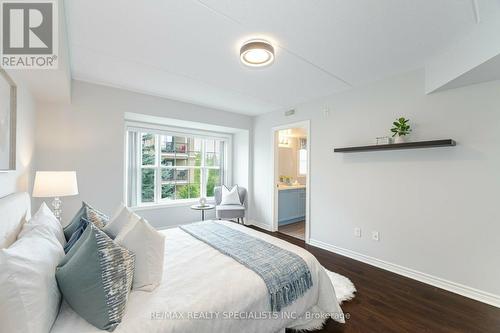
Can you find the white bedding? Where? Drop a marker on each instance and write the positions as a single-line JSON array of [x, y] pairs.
[[199, 280]]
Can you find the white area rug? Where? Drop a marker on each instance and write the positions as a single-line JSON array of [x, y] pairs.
[[344, 288]]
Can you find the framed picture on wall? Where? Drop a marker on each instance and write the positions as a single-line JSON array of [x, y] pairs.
[[8, 104]]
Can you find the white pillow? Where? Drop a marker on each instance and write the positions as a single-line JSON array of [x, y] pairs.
[[148, 245], [29, 294], [118, 221], [230, 197], [44, 218]]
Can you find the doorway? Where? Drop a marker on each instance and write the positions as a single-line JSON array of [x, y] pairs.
[[291, 165]]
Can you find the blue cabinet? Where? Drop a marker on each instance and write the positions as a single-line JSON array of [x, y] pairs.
[[291, 205]]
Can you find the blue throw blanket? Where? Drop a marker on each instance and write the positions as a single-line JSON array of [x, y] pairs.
[[286, 274]]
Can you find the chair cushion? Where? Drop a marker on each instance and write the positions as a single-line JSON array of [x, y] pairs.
[[230, 211], [230, 207]]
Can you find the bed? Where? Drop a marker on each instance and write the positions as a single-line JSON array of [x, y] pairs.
[[202, 290]]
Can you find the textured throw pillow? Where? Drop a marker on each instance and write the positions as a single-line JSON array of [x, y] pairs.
[[230, 197], [44, 218], [76, 235], [95, 278], [98, 218], [29, 297], [90, 214], [119, 220], [149, 248]]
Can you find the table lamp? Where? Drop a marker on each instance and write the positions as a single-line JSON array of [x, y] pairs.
[[55, 184]]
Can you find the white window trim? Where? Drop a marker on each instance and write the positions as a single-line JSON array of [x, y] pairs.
[[176, 131], [172, 130], [175, 203]]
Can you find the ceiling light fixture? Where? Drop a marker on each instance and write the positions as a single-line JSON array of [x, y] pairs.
[[257, 53]]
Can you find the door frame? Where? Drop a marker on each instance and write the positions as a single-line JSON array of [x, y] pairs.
[[274, 165]]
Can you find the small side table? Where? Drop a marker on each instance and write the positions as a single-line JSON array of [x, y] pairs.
[[203, 209]]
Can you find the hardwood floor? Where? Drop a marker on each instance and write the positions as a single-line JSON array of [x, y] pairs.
[[297, 229], [387, 302]]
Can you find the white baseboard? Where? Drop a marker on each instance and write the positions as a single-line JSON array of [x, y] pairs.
[[258, 224], [476, 294]]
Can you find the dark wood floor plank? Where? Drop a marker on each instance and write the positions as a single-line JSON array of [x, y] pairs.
[[387, 302]]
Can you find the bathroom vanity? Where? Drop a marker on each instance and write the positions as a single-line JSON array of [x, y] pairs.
[[291, 204]]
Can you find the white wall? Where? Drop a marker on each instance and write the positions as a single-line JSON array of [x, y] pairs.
[[88, 136], [462, 62], [22, 179], [436, 209], [241, 158]]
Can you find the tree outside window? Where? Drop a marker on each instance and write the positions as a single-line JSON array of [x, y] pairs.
[[179, 167]]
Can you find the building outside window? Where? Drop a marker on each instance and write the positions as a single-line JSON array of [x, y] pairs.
[[177, 167]]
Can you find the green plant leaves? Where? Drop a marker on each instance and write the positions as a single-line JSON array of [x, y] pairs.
[[401, 127]]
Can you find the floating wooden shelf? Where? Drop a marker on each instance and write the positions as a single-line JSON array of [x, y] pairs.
[[393, 146]]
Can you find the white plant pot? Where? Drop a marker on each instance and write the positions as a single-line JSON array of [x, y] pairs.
[[400, 139]]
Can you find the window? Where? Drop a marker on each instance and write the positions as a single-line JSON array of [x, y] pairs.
[[302, 156], [173, 167], [302, 162]]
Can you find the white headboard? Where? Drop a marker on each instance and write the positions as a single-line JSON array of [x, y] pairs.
[[14, 210]]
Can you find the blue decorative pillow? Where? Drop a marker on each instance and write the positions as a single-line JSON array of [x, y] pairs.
[[70, 229], [95, 278], [88, 212], [76, 235]]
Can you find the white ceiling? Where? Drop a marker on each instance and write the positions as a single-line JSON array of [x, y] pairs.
[[188, 50], [487, 71]]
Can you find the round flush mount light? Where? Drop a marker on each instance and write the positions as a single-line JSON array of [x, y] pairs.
[[257, 53]]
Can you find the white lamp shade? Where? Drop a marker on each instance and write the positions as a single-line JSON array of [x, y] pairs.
[[55, 184]]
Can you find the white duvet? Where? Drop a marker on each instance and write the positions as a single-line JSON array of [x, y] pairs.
[[206, 291]]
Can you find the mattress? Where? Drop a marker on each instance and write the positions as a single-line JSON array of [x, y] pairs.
[[205, 291]]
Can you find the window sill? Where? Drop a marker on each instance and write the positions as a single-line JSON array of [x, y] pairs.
[[163, 205]]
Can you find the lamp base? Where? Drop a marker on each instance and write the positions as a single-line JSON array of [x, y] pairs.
[[57, 204]]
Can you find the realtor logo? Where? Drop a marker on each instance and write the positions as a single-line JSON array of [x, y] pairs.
[[29, 34]]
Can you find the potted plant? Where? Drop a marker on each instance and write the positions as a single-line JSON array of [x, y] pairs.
[[400, 130]]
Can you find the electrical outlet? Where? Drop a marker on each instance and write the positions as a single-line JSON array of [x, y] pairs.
[[357, 232], [375, 236]]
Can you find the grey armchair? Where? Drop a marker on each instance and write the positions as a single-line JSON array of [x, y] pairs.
[[228, 212]]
